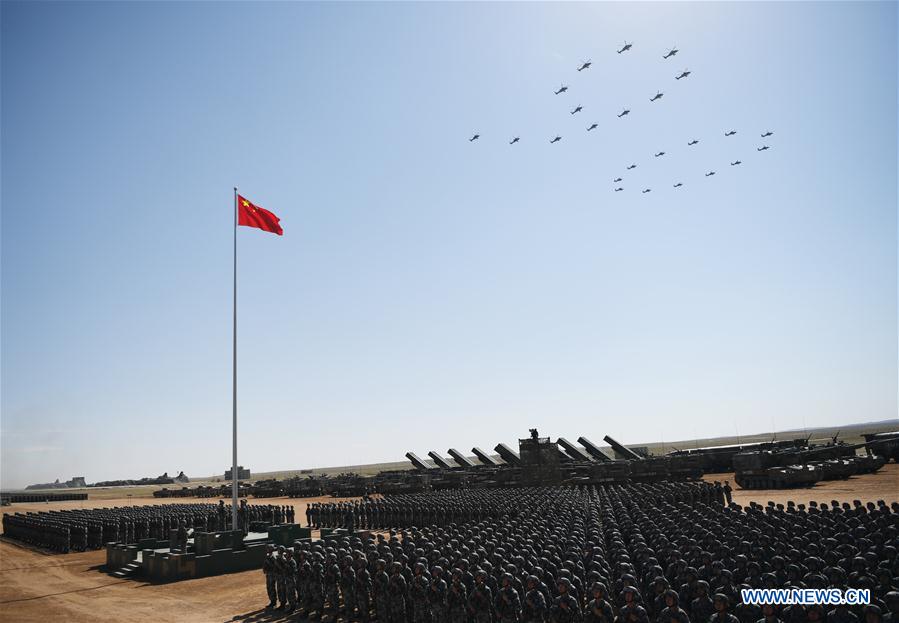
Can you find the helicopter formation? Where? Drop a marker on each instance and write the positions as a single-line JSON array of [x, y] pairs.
[[585, 65], [563, 88]]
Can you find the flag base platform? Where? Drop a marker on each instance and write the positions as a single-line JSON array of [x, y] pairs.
[[208, 553]]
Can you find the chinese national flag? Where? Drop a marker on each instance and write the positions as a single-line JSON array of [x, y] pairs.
[[251, 215]]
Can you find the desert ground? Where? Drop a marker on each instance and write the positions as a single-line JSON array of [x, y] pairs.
[[35, 586]]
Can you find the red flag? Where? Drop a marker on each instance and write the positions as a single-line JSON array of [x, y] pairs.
[[251, 215]]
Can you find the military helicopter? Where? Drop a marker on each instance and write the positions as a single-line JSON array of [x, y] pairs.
[[624, 113], [657, 96], [633, 166], [693, 142], [585, 65], [733, 164], [678, 185], [627, 46], [671, 53], [577, 109], [555, 140], [767, 134], [710, 174], [619, 189], [562, 89], [765, 148], [683, 74], [593, 127], [474, 138], [661, 153], [514, 140], [646, 190], [730, 133], [617, 179]]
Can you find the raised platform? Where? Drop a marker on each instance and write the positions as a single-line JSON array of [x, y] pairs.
[[208, 553]]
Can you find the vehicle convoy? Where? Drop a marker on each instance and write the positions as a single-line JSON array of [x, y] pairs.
[[802, 467]]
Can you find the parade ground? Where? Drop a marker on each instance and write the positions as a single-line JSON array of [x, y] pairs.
[[74, 587]]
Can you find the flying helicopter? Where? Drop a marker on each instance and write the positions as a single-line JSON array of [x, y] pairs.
[[767, 134], [577, 110], [584, 65], [624, 113], [633, 166], [657, 96], [661, 153], [593, 127], [619, 189], [733, 164], [555, 140], [617, 179], [672, 52], [730, 133], [683, 74], [678, 185], [474, 138], [710, 174], [562, 89], [693, 142], [646, 190], [765, 148], [514, 140], [627, 46]]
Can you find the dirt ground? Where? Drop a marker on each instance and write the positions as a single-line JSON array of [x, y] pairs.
[[71, 587]]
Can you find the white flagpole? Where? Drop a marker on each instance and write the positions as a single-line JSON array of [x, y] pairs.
[[234, 474]]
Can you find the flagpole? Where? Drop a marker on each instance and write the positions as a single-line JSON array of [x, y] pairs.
[[235, 480]]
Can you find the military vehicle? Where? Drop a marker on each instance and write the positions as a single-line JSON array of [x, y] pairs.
[[886, 444], [802, 467]]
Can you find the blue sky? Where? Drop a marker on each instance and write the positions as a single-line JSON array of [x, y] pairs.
[[429, 292]]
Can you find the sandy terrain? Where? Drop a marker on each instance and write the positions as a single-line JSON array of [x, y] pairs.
[[40, 587]]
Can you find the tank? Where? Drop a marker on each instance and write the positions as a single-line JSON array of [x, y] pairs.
[[885, 444], [765, 470]]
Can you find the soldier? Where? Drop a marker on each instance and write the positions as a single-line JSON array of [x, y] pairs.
[[304, 571], [701, 608], [566, 608], [281, 577], [290, 580], [396, 593], [457, 599], [268, 568], [182, 537], [316, 586], [722, 603], [348, 586], [380, 589], [534, 605], [672, 612], [480, 600], [418, 592], [332, 583], [437, 596], [363, 590], [598, 609], [507, 604]]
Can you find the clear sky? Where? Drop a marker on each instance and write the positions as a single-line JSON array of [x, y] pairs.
[[429, 292]]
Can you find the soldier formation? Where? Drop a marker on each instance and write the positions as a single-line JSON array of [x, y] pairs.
[[633, 553], [85, 529]]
